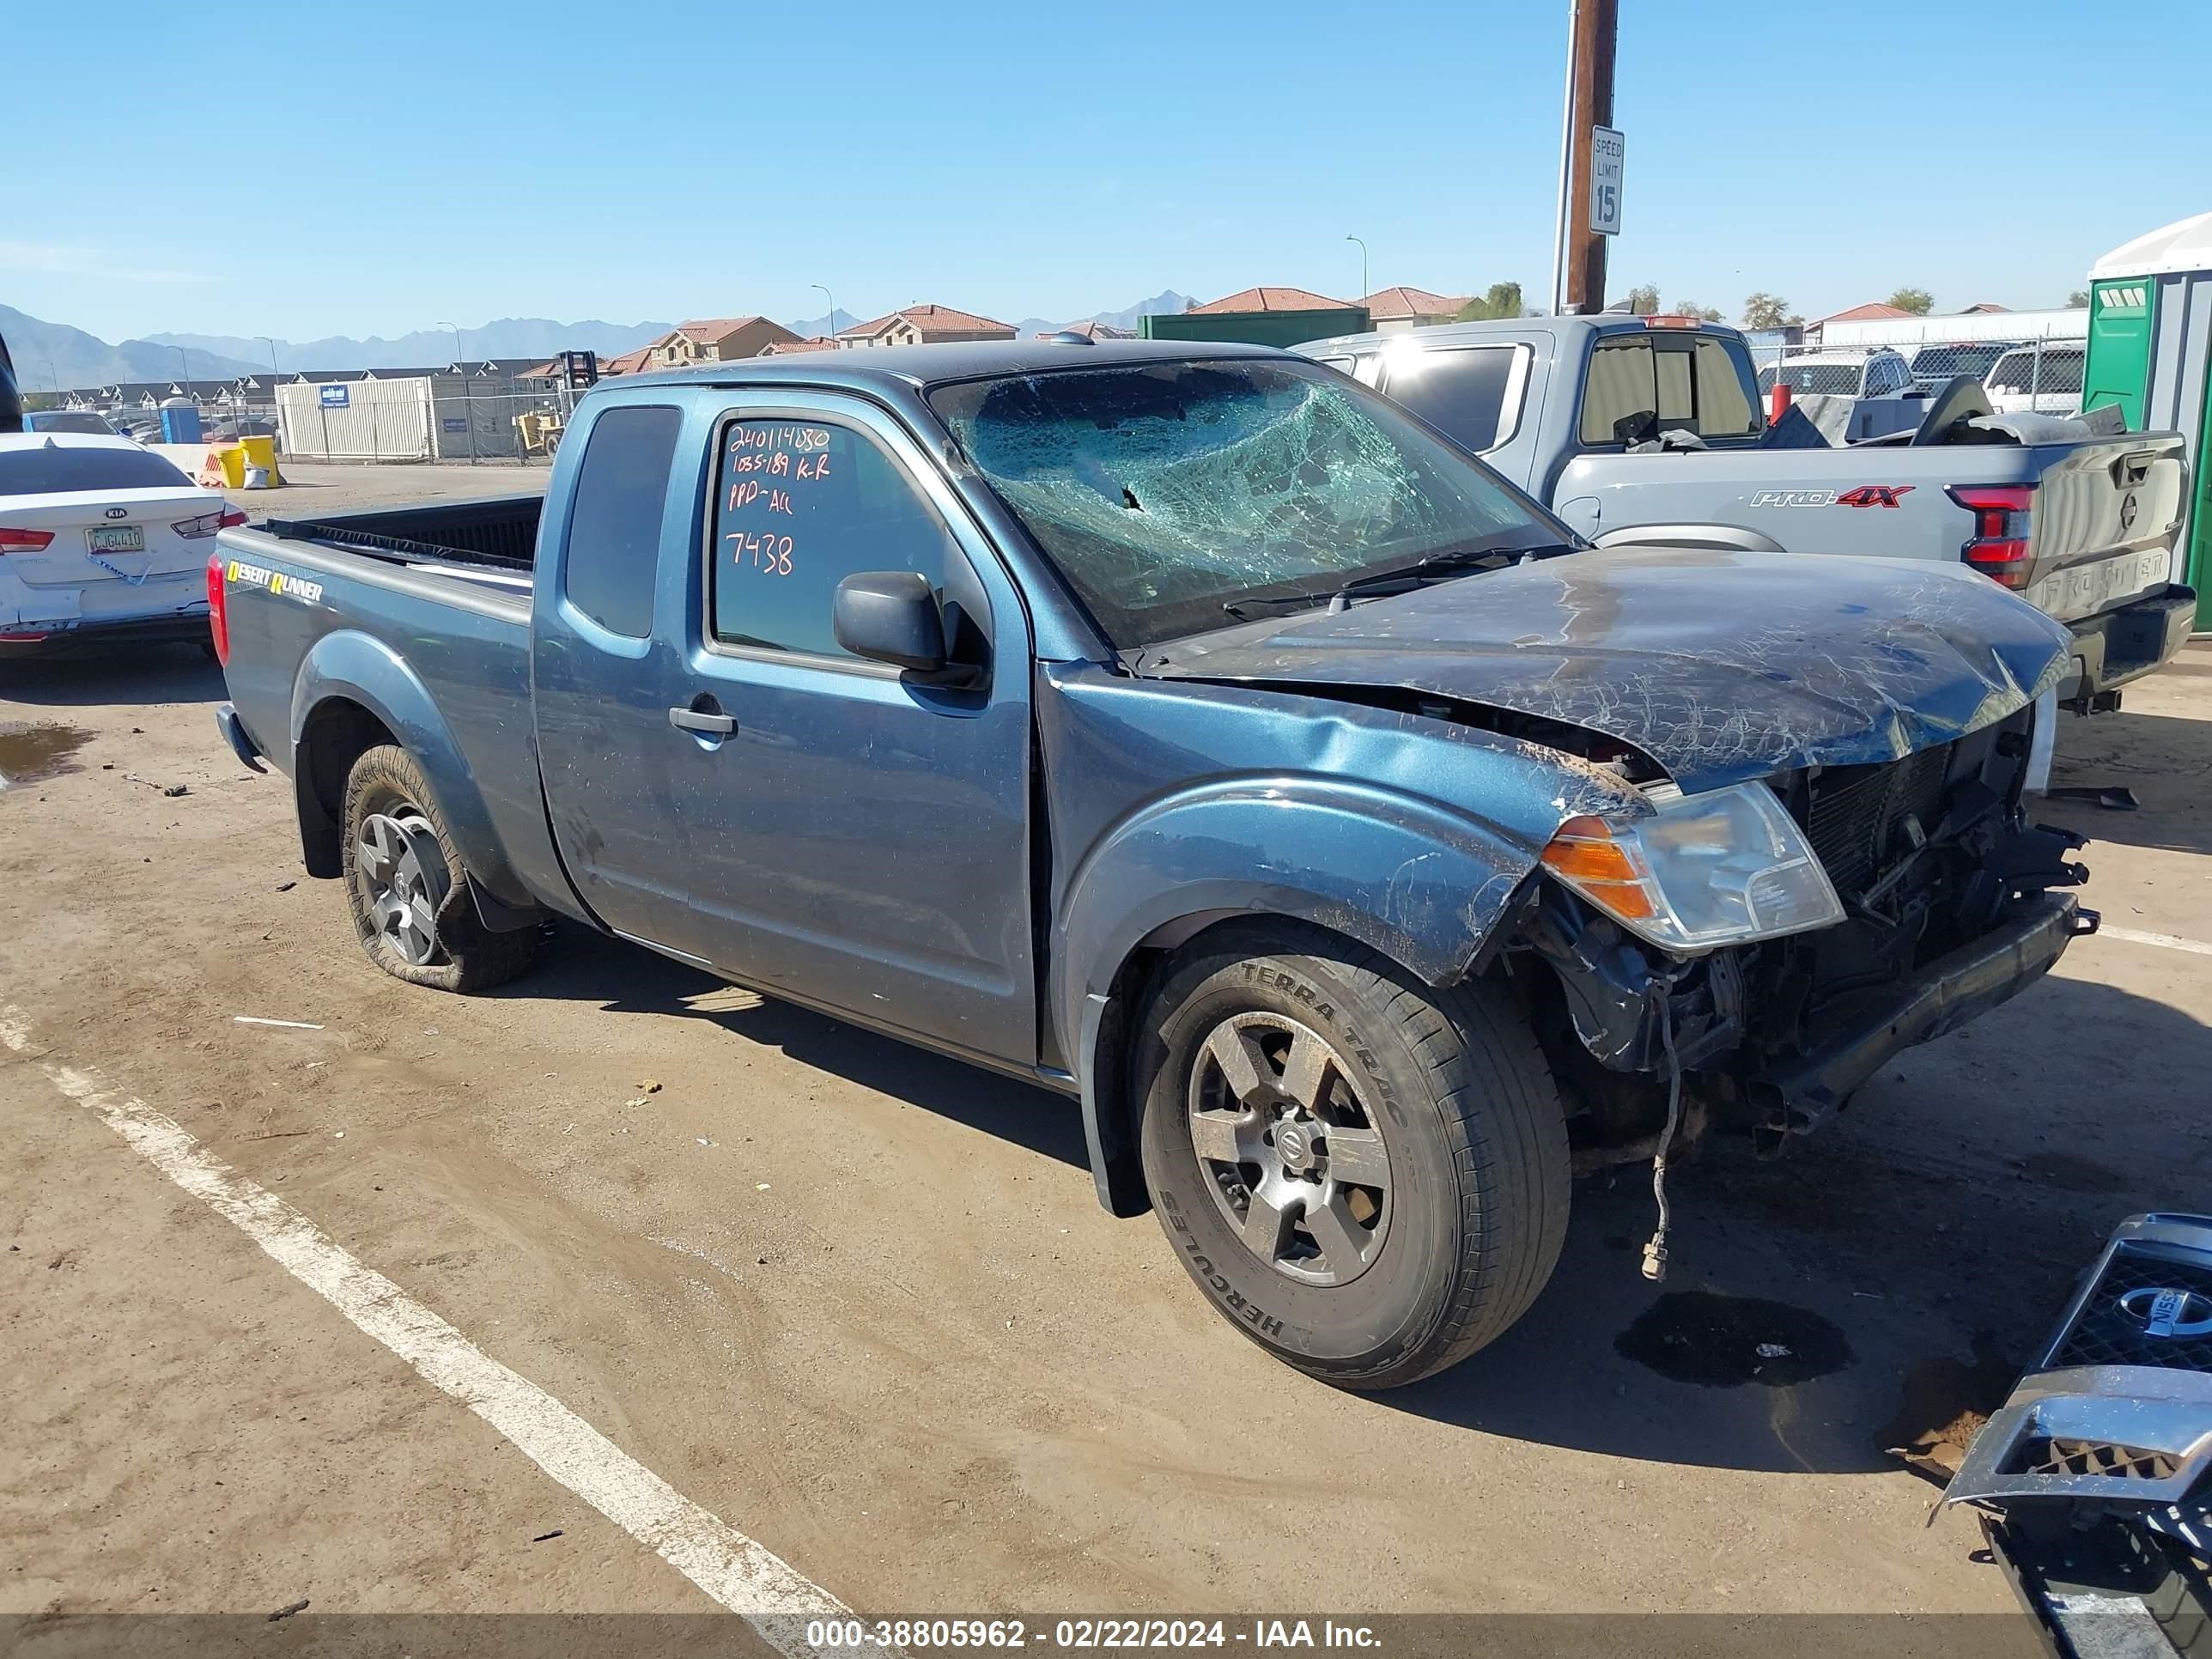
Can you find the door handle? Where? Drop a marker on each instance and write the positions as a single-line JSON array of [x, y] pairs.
[[693, 719]]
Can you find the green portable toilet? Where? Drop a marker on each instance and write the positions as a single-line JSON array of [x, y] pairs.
[[2150, 352]]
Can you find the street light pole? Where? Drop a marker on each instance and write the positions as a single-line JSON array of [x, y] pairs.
[[833, 308], [1566, 164], [461, 367], [276, 403], [1365, 275]]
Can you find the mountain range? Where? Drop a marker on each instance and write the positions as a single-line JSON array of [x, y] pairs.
[[50, 355], [54, 356], [536, 338]]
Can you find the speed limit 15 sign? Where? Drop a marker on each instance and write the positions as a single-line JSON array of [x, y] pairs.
[[1607, 150]]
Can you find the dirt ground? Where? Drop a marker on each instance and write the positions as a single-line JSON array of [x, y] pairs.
[[861, 1303], [311, 488]]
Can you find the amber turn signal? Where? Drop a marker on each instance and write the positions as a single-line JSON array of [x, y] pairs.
[[1601, 868]]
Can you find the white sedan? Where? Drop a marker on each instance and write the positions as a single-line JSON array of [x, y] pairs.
[[101, 543]]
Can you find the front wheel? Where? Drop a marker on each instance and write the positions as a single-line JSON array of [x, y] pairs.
[[407, 887], [1367, 1177]]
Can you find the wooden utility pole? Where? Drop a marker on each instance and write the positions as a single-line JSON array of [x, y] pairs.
[[1596, 24]]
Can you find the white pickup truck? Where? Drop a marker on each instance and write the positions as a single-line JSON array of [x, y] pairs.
[[1649, 428]]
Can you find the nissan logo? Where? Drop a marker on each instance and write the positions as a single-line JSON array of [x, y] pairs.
[[2162, 1310]]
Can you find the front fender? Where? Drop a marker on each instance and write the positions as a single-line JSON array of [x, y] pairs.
[[359, 668], [1419, 882], [1415, 881]]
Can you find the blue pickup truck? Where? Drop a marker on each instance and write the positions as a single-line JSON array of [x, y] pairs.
[[1187, 730]]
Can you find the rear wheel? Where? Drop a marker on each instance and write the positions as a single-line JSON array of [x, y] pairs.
[[1367, 1175], [408, 888]]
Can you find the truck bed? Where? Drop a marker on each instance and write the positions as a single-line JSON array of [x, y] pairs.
[[361, 596], [495, 538]]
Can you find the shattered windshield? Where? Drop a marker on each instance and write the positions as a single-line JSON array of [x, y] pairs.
[[1167, 490]]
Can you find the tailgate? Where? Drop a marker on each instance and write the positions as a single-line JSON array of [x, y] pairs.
[[2107, 514]]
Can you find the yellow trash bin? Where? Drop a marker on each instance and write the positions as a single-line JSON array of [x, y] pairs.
[[224, 468], [261, 453]]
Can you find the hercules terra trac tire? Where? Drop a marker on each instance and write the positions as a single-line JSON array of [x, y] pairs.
[[1383, 1283], [387, 788]]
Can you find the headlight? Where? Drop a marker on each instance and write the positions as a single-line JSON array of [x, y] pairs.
[[1704, 871]]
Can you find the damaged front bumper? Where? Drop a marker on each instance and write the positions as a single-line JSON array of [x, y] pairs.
[[1941, 997]]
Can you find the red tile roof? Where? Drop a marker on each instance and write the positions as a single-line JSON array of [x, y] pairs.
[[1091, 329], [812, 342], [1873, 314], [707, 330], [927, 320], [1395, 304], [628, 364], [1275, 299]]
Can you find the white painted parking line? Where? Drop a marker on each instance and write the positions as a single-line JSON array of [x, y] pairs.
[[743, 1575], [2164, 941]]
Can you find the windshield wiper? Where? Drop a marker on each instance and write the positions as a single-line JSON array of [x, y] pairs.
[[1401, 579]]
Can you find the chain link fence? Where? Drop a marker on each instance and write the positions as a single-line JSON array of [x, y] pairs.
[[479, 420]]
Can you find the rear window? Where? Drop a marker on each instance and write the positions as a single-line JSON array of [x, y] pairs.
[[1642, 385], [1817, 379], [614, 523], [2060, 371], [68, 420], [1461, 393], [53, 470], [1942, 362]]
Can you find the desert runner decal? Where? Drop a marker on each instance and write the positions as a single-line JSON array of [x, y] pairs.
[[275, 581]]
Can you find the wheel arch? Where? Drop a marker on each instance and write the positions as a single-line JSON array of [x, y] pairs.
[[352, 693], [1406, 877], [1729, 537]]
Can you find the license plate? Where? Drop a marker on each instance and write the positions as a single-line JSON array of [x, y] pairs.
[[117, 538]]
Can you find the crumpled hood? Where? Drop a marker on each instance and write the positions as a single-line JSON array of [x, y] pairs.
[[1721, 666]]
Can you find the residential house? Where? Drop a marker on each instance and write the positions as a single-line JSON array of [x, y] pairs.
[[1394, 310], [1877, 312], [812, 342], [716, 340], [630, 363], [1249, 299], [1261, 316], [924, 324], [1091, 329]]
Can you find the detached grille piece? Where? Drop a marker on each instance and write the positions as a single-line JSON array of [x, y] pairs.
[[1855, 812], [2117, 1407], [2107, 1333], [2060, 1456]]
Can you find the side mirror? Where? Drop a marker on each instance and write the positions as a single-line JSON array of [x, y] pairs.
[[891, 616]]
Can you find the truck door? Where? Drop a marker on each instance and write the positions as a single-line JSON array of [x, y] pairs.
[[601, 719], [853, 836]]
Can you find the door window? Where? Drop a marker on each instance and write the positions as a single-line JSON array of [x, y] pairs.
[[799, 507], [1462, 393], [614, 525]]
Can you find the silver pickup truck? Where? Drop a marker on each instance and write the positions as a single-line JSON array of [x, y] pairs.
[[1649, 429]]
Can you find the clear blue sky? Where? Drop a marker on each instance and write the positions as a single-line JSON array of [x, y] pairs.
[[403, 164]]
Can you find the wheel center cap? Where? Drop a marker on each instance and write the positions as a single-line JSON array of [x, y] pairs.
[[1295, 1146]]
